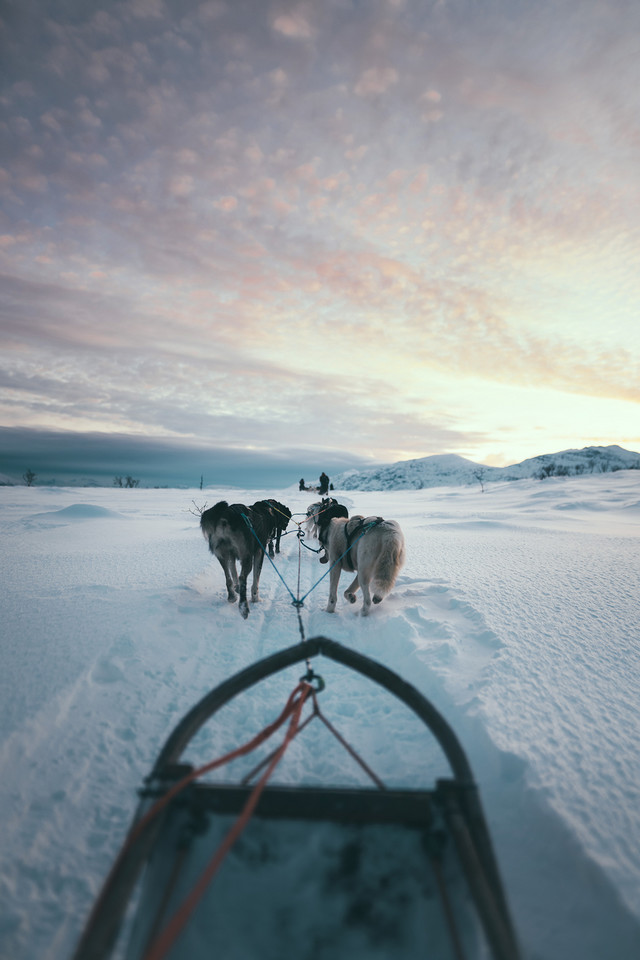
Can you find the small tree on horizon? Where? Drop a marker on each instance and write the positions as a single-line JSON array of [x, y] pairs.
[[130, 482], [29, 477], [479, 476]]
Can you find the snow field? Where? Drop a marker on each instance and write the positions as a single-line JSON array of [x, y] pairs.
[[516, 614]]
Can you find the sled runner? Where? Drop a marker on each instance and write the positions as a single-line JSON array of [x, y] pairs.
[[316, 873]]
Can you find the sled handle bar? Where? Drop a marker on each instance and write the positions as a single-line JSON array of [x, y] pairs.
[[226, 691]]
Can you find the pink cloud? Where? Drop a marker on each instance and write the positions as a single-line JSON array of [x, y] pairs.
[[181, 186], [375, 80], [34, 183], [226, 203], [294, 24]]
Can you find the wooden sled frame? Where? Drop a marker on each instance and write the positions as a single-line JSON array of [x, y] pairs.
[[454, 802]]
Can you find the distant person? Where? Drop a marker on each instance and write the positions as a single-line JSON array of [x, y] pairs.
[[302, 486], [324, 484]]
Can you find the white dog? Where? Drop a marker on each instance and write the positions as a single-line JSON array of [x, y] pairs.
[[371, 546]]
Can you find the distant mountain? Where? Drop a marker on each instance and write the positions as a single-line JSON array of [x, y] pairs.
[[449, 470]]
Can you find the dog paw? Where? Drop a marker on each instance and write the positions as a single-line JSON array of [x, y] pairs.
[[244, 610], [376, 599], [324, 559], [351, 597]]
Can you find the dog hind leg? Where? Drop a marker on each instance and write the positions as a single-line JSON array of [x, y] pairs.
[[366, 597], [334, 578], [247, 563], [255, 583], [352, 589], [230, 576]]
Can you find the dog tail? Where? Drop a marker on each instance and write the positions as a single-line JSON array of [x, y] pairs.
[[387, 570]]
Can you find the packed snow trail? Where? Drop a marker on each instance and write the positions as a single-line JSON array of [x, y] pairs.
[[512, 615]]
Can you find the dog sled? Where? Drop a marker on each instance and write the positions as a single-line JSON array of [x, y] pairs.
[[313, 872]]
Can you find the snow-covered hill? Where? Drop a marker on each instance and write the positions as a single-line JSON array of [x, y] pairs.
[[450, 470]]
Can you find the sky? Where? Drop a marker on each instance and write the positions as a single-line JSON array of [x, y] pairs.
[[339, 231]]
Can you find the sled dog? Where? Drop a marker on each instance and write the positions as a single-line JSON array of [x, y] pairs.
[[232, 538], [315, 514], [280, 515], [373, 547]]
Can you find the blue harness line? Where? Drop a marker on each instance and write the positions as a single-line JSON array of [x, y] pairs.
[[298, 601], [266, 553], [351, 537]]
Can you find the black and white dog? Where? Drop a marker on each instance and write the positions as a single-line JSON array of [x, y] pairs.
[[373, 547], [235, 533]]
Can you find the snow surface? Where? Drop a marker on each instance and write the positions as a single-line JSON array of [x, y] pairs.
[[516, 614]]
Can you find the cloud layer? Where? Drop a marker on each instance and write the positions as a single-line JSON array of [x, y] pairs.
[[68, 457], [396, 228]]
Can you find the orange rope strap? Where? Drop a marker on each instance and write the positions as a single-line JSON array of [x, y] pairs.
[[293, 709]]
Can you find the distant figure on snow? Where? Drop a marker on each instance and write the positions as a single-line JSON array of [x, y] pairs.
[[324, 484], [302, 486]]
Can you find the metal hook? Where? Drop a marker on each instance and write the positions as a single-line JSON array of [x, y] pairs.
[[310, 676]]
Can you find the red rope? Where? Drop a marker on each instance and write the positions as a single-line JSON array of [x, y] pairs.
[[164, 942], [290, 706], [317, 712], [303, 689]]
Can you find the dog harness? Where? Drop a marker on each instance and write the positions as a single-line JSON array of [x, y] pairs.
[[361, 527]]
